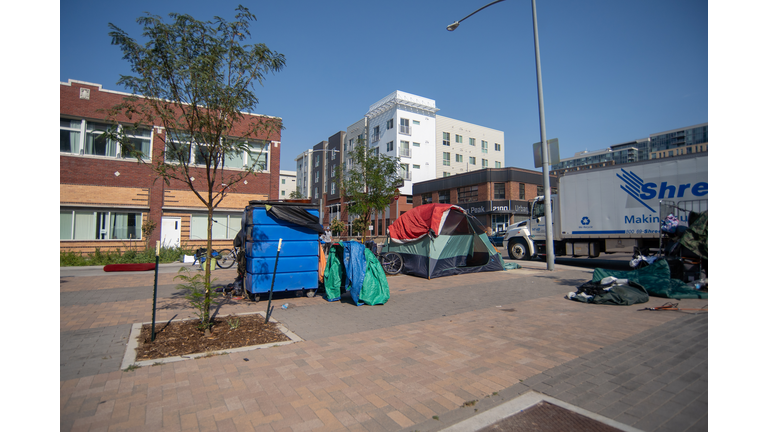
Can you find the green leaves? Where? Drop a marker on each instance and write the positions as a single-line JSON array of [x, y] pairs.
[[371, 183], [193, 80]]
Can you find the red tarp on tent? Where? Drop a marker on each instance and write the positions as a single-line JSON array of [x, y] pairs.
[[417, 222]]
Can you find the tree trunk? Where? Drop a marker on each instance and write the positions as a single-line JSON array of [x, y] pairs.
[[208, 268]]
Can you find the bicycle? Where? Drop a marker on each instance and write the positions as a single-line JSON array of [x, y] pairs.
[[391, 262], [225, 258]]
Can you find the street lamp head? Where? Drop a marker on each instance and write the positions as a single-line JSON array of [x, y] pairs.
[[453, 26]]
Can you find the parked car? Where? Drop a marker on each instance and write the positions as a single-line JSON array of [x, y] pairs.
[[497, 239]]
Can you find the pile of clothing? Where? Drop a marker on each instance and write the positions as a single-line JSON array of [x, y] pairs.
[[610, 290]]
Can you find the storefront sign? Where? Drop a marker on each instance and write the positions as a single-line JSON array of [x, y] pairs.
[[496, 207]]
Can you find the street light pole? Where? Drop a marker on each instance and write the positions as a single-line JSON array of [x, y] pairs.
[[544, 148], [543, 132]]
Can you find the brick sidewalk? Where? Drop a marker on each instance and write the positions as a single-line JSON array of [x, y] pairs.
[[436, 346]]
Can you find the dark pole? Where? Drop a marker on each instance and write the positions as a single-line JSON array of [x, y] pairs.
[[269, 304], [154, 295]]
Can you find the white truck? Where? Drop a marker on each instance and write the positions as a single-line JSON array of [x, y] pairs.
[[611, 209]]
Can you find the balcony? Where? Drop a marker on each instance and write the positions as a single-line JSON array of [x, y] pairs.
[[405, 175], [405, 152], [405, 130]]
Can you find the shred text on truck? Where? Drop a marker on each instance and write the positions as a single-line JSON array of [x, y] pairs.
[[612, 209]]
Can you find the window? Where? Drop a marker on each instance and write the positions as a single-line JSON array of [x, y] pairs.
[[426, 198], [70, 136], [444, 197], [375, 136], [467, 194], [472, 160], [539, 190], [416, 166], [409, 199], [282, 193], [497, 147], [446, 174], [497, 164], [405, 149], [416, 122], [333, 187], [404, 172], [140, 139], [446, 159], [472, 142], [225, 226], [405, 128], [99, 225], [485, 163], [78, 136], [95, 141], [498, 191], [390, 124], [282, 181], [317, 161], [416, 144], [390, 146], [484, 146], [459, 158], [459, 139], [446, 138]]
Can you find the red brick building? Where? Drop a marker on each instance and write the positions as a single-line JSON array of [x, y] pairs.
[[498, 197], [106, 197]]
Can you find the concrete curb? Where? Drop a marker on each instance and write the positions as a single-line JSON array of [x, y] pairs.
[[521, 403], [133, 342]]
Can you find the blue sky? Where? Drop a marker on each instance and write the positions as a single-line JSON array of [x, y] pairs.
[[613, 71]]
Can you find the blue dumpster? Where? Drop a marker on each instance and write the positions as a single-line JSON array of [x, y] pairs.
[[265, 224]]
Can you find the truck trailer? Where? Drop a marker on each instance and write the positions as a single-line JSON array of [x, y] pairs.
[[612, 209]]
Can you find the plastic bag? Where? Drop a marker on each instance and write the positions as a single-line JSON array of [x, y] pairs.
[[669, 224]]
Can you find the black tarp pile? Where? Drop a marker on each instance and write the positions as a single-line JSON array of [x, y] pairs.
[[655, 280]]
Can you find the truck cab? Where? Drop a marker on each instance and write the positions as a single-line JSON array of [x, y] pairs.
[[527, 239]]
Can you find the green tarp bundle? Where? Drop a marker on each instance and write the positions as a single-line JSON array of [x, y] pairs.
[[696, 236], [355, 268], [655, 279]]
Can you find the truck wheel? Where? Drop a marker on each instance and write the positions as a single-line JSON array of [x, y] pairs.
[[518, 250]]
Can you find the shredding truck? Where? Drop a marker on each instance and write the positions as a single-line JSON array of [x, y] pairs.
[[611, 209]]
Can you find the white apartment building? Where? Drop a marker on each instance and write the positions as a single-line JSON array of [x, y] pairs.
[[464, 147], [406, 126], [403, 125], [287, 183], [304, 173]]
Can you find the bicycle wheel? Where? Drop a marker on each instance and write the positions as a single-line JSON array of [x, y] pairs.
[[392, 262], [226, 258]]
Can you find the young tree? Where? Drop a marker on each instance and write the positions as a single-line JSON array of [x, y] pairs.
[[195, 79], [296, 194], [370, 184], [338, 227]]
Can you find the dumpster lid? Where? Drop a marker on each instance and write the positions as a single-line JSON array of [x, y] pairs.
[[295, 214]]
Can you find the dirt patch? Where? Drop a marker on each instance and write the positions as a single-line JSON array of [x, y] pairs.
[[184, 337]]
